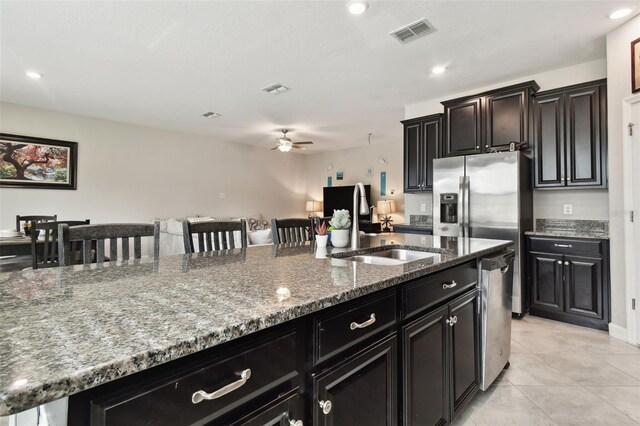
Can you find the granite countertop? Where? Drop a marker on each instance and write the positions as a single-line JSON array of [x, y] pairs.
[[571, 228], [63, 330], [568, 234]]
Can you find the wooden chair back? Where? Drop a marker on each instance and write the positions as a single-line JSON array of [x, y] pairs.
[[88, 234], [292, 230], [48, 256], [213, 235], [33, 218]]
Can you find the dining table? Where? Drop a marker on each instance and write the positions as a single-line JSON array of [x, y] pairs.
[[15, 252]]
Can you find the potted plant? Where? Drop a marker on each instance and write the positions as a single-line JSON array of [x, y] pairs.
[[341, 223], [321, 235]]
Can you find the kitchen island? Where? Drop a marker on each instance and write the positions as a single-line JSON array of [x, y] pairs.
[[126, 340]]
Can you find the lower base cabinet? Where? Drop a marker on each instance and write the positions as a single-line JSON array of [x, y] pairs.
[[440, 362], [569, 280], [408, 355], [288, 410], [360, 391]]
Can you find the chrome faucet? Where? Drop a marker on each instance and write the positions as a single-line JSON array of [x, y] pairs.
[[364, 209]]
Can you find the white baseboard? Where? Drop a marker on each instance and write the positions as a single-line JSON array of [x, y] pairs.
[[618, 332]]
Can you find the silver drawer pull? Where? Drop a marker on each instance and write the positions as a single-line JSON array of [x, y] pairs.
[[367, 323], [296, 423], [563, 245], [450, 285], [202, 395], [451, 320]]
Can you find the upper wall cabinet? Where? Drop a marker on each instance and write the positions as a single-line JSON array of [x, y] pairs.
[[422, 137], [488, 121], [570, 137]]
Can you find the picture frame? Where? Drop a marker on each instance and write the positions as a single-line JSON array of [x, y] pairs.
[[32, 162], [635, 65]]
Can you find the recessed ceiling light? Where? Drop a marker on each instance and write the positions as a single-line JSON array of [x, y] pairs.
[[620, 13], [34, 75], [438, 70], [358, 7]]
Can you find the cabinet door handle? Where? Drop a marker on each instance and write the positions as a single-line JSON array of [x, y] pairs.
[[563, 245], [566, 263], [326, 406], [450, 285], [559, 262], [296, 423], [202, 395], [477, 146], [486, 146], [451, 320], [354, 325]]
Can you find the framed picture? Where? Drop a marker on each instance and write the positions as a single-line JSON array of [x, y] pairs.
[[635, 65], [29, 162]]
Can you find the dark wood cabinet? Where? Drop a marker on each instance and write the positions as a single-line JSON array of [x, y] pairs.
[[339, 366], [583, 285], [465, 344], [463, 127], [569, 280], [426, 365], [287, 410], [441, 362], [422, 139], [488, 121], [546, 281], [361, 391], [570, 137]]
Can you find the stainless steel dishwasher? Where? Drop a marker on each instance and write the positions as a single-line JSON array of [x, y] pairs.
[[496, 283]]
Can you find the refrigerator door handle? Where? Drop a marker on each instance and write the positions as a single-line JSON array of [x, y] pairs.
[[467, 207], [463, 206]]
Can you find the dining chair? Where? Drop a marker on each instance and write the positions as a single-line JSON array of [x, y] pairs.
[[33, 218], [216, 235], [88, 234], [49, 254], [292, 230]]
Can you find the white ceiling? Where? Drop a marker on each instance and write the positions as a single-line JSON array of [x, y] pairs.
[[162, 64]]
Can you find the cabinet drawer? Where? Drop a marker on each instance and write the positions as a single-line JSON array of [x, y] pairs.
[[562, 246], [425, 292], [337, 331], [265, 366]]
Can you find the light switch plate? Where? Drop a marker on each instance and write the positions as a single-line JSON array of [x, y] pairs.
[[423, 207], [568, 209]]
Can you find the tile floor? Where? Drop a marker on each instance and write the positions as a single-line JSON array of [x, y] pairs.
[[561, 374]]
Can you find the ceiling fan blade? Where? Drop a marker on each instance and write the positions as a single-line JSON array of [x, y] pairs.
[[298, 147], [274, 148], [303, 143]]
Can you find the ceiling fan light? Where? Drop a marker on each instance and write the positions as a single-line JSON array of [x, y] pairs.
[[284, 147]]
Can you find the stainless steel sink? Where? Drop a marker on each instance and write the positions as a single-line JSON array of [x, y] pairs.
[[392, 257]]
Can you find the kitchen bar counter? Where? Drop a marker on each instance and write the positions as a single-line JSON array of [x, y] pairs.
[[64, 330]]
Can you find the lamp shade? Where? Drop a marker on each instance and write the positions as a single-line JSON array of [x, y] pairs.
[[313, 206], [384, 207]]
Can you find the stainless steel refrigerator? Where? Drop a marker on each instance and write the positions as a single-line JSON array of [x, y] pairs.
[[486, 196]]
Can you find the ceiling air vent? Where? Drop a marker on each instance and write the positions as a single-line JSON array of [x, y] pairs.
[[211, 114], [275, 89], [412, 31]]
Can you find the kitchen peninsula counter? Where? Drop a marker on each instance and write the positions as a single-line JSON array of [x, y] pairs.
[[65, 330]]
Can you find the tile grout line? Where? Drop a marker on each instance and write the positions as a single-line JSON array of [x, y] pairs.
[[615, 408], [534, 403]]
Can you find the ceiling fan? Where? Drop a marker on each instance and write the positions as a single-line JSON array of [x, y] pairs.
[[285, 144]]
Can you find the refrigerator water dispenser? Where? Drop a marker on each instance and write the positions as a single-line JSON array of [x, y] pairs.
[[449, 208]]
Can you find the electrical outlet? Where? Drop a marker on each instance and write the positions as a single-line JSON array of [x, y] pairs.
[[568, 209], [223, 195], [423, 239], [423, 207]]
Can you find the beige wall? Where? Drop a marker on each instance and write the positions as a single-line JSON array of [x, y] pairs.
[[354, 162], [619, 88], [134, 173], [587, 204]]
